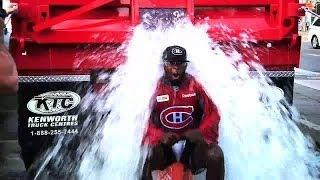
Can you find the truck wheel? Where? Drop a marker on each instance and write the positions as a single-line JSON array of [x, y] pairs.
[[315, 42]]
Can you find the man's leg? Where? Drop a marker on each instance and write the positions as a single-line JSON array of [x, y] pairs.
[[160, 158], [204, 156], [147, 172], [215, 163]]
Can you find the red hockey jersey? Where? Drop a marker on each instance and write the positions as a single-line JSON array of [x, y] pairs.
[[177, 109]]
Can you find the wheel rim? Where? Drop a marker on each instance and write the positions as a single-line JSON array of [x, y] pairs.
[[314, 42]]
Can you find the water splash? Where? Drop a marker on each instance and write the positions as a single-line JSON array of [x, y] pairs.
[[258, 131], [132, 87]]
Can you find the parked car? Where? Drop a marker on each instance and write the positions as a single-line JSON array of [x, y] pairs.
[[314, 33]]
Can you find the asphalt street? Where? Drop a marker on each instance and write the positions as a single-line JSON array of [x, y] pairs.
[[307, 90], [310, 58]]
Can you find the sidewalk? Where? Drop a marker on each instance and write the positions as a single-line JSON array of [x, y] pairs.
[[11, 165], [307, 101], [304, 36]]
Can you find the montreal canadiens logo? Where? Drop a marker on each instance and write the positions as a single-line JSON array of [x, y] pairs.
[[177, 51], [176, 117]]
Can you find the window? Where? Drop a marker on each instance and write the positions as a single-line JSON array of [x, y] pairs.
[[318, 8], [317, 23]]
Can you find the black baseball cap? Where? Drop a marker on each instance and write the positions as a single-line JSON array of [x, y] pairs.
[[175, 54]]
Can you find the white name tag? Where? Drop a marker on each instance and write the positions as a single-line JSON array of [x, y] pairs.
[[163, 98]]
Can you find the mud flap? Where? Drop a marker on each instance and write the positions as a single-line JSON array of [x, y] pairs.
[[46, 110]]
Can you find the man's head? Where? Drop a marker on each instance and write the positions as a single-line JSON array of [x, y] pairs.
[[175, 63]]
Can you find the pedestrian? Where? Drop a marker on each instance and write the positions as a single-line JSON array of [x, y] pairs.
[[182, 110], [8, 71], [12, 8]]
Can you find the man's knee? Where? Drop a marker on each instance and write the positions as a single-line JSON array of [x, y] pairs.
[[160, 158], [215, 155], [215, 163]]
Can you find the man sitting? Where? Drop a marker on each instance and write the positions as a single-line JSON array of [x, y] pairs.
[[183, 111]]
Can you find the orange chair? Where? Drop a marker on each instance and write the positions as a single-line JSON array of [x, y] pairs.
[[176, 171]]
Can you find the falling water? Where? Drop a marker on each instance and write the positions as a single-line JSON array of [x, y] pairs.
[[258, 131]]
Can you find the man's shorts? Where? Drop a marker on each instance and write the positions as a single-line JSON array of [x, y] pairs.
[[194, 157]]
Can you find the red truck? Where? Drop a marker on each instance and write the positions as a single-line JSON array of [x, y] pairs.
[[50, 37]]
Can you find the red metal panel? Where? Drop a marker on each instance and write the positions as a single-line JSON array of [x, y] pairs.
[[82, 2], [190, 9], [86, 31], [234, 2], [50, 22], [64, 23], [71, 37], [162, 4], [135, 12]]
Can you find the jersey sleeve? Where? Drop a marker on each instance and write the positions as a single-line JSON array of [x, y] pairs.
[[153, 134], [154, 131], [209, 124]]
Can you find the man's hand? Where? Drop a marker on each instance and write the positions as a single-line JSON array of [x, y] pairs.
[[12, 8], [194, 136], [169, 138]]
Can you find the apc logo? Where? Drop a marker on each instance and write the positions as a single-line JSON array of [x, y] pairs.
[[176, 117], [176, 51], [53, 102]]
